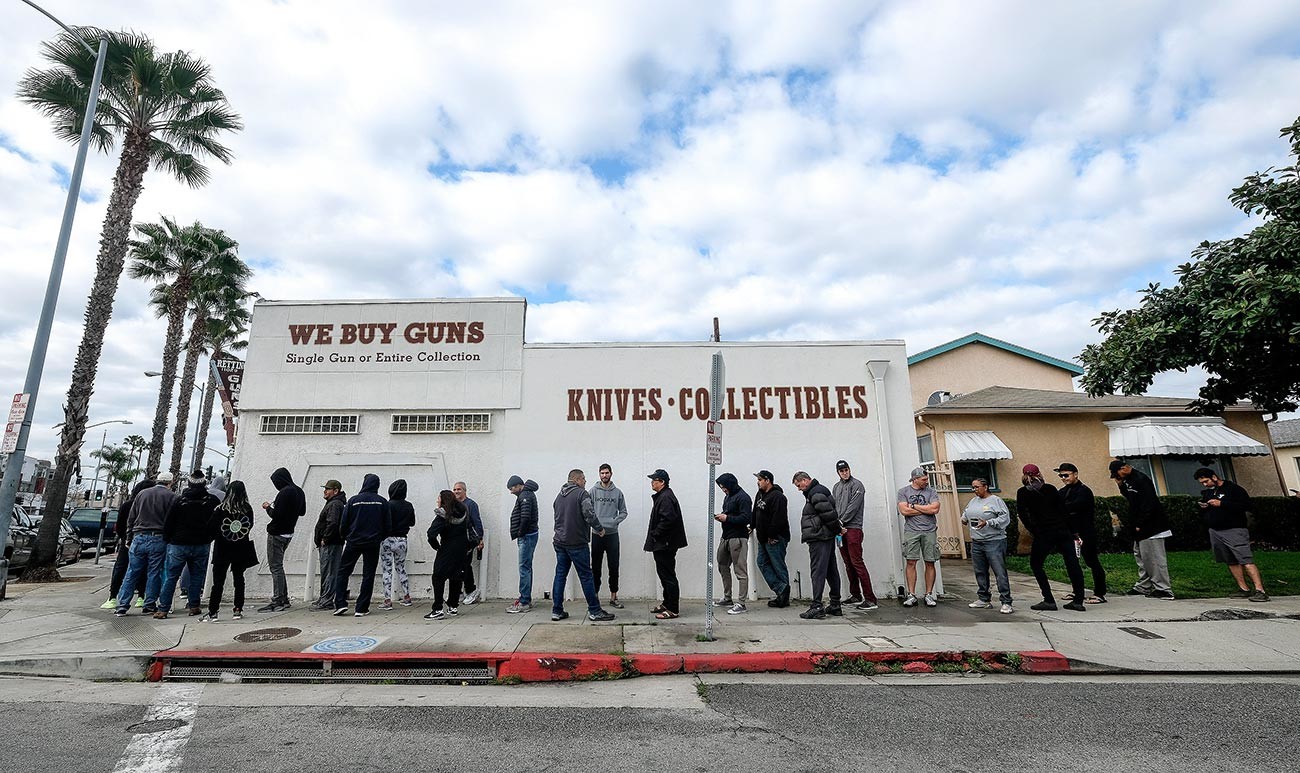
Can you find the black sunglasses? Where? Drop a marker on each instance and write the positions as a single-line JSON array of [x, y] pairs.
[[1063, 475]]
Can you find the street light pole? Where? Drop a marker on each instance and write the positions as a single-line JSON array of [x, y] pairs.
[[198, 418], [36, 365]]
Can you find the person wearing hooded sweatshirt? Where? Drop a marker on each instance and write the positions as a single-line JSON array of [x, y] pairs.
[[733, 548], [575, 518], [366, 521], [449, 535], [217, 488], [290, 505], [523, 527], [1042, 511], [189, 530], [122, 555], [772, 536], [819, 525], [611, 510], [329, 542], [232, 550], [850, 497], [148, 548], [1150, 526], [392, 551]]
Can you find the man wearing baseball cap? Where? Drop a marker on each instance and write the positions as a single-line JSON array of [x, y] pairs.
[[1081, 510], [918, 503], [665, 535], [328, 541], [1146, 517], [772, 537], [850, 496], [1041, 511]]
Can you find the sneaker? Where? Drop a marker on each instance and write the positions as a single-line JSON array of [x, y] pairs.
[[120, 612], [600, 617], [205, 619], [453, 611], [517, 608], [110, 604], [867, 606], [1044, 606], [237, 613], [727, 602], [835, 609], [814, 612], [1241, 593], [387, 606], [1258, 595], [979, 605], [558, 616], [471, 598], [1162, 595], [1134, 592], [268, 608], [139, 602], [281, 607], [1076, 606], [406, 602], [1006, 609], [737, 609], [615, 603], [854, 599], [361, 614], [774, 602], [930, 600], [340, 612], [436, 614], [910, 601]]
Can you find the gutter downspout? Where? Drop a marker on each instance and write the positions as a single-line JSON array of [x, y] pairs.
[[877, 369]]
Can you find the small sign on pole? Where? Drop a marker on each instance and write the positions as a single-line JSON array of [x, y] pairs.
[[713, 443], [14, 425]]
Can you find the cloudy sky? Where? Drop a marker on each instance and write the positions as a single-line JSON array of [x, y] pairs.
[[803, 170]]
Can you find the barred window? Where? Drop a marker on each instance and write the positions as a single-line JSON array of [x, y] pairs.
[[309, 425], [442, 422]]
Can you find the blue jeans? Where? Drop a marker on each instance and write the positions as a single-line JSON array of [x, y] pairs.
[[771, 564], [991, 554], [180, 558], [527, 545], [148, 552], [579, 556]]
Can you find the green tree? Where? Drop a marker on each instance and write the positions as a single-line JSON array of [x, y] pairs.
[[1235, 310], [117, 465], [137, 444], [168, 115]]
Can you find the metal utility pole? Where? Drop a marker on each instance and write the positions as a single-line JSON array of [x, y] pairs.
[[36, 365], [713, 455]]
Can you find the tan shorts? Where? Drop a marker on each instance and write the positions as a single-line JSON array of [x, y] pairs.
[[921, 546]]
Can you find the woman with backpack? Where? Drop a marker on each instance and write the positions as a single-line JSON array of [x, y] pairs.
[[232, 550], [448, 534]]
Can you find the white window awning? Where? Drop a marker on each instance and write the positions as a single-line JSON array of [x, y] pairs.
[[974, 445], [1180, 435]]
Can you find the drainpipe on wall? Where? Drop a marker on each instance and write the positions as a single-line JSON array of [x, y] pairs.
[[877, 370], [1272, 452]]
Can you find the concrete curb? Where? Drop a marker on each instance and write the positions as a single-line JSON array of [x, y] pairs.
[[572, 666], [109, 667]]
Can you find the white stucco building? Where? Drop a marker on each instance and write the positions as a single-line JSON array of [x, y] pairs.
[[436, 391]]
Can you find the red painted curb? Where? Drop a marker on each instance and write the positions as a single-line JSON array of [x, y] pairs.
[[656, 665], [543, 667], [1044, 662]]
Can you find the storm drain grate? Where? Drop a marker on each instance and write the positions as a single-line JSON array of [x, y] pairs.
[[212, 670]]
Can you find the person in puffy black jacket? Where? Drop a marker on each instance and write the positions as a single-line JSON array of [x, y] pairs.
[[365, 522], [449, 535], [818, 527], [523, 527], [1042, 512], [290, 505], [665, 535], [188, 531], [392, 551]]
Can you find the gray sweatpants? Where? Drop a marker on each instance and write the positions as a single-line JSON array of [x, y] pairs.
[[734, 552], [1153, 569]]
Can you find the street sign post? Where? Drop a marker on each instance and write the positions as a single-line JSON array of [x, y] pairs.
[[713, 443], [713, 455], [14, 424]]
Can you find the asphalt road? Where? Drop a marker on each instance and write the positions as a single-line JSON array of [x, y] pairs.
[[777, 723]]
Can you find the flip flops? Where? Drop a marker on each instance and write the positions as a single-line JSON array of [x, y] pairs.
[[1095, 600], [667, 614]]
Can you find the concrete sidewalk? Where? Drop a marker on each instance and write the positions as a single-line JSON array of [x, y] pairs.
[[58, 630]]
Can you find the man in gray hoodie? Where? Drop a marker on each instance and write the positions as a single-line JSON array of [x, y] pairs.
[[611, 510], [575, 517], [148, 548]]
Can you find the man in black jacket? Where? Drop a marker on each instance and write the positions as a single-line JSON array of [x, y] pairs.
[[1146, 517], [1081, 509], [665, 535], [329, 542], [772, 537], [733, 546], [290, 505], [189, 529], [366, 520], [819, 525], [1042, 513], [523, 528], [1225, 506]]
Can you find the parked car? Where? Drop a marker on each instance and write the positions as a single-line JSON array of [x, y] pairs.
[[86, 521], [22, 535], [69, 544]]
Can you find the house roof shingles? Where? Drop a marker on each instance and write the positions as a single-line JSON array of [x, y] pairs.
[[1014, 399], [1285, 433]]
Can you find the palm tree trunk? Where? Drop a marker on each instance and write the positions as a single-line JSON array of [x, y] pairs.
[[170, 359], [113, 242], [193, 348], [205, 418]]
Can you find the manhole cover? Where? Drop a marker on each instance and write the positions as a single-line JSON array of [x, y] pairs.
[[342, 644], [1235, 614], [1141, 633], [267, 634], [155, 726]]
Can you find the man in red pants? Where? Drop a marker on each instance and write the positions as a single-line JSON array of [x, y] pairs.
[[849, 495]]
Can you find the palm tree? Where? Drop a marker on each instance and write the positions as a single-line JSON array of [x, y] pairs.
[[116, 462], [137, 445], [168, 114], [225, 329], [218, 285], [168, 255]]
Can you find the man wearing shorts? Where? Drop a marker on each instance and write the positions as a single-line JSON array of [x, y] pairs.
[[1224, 505], [918, 503]]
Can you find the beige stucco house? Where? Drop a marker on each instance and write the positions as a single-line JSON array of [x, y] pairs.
[[1286, 448], [985, 408]]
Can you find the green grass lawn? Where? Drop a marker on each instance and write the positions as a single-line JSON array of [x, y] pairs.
[[1193, 574]]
